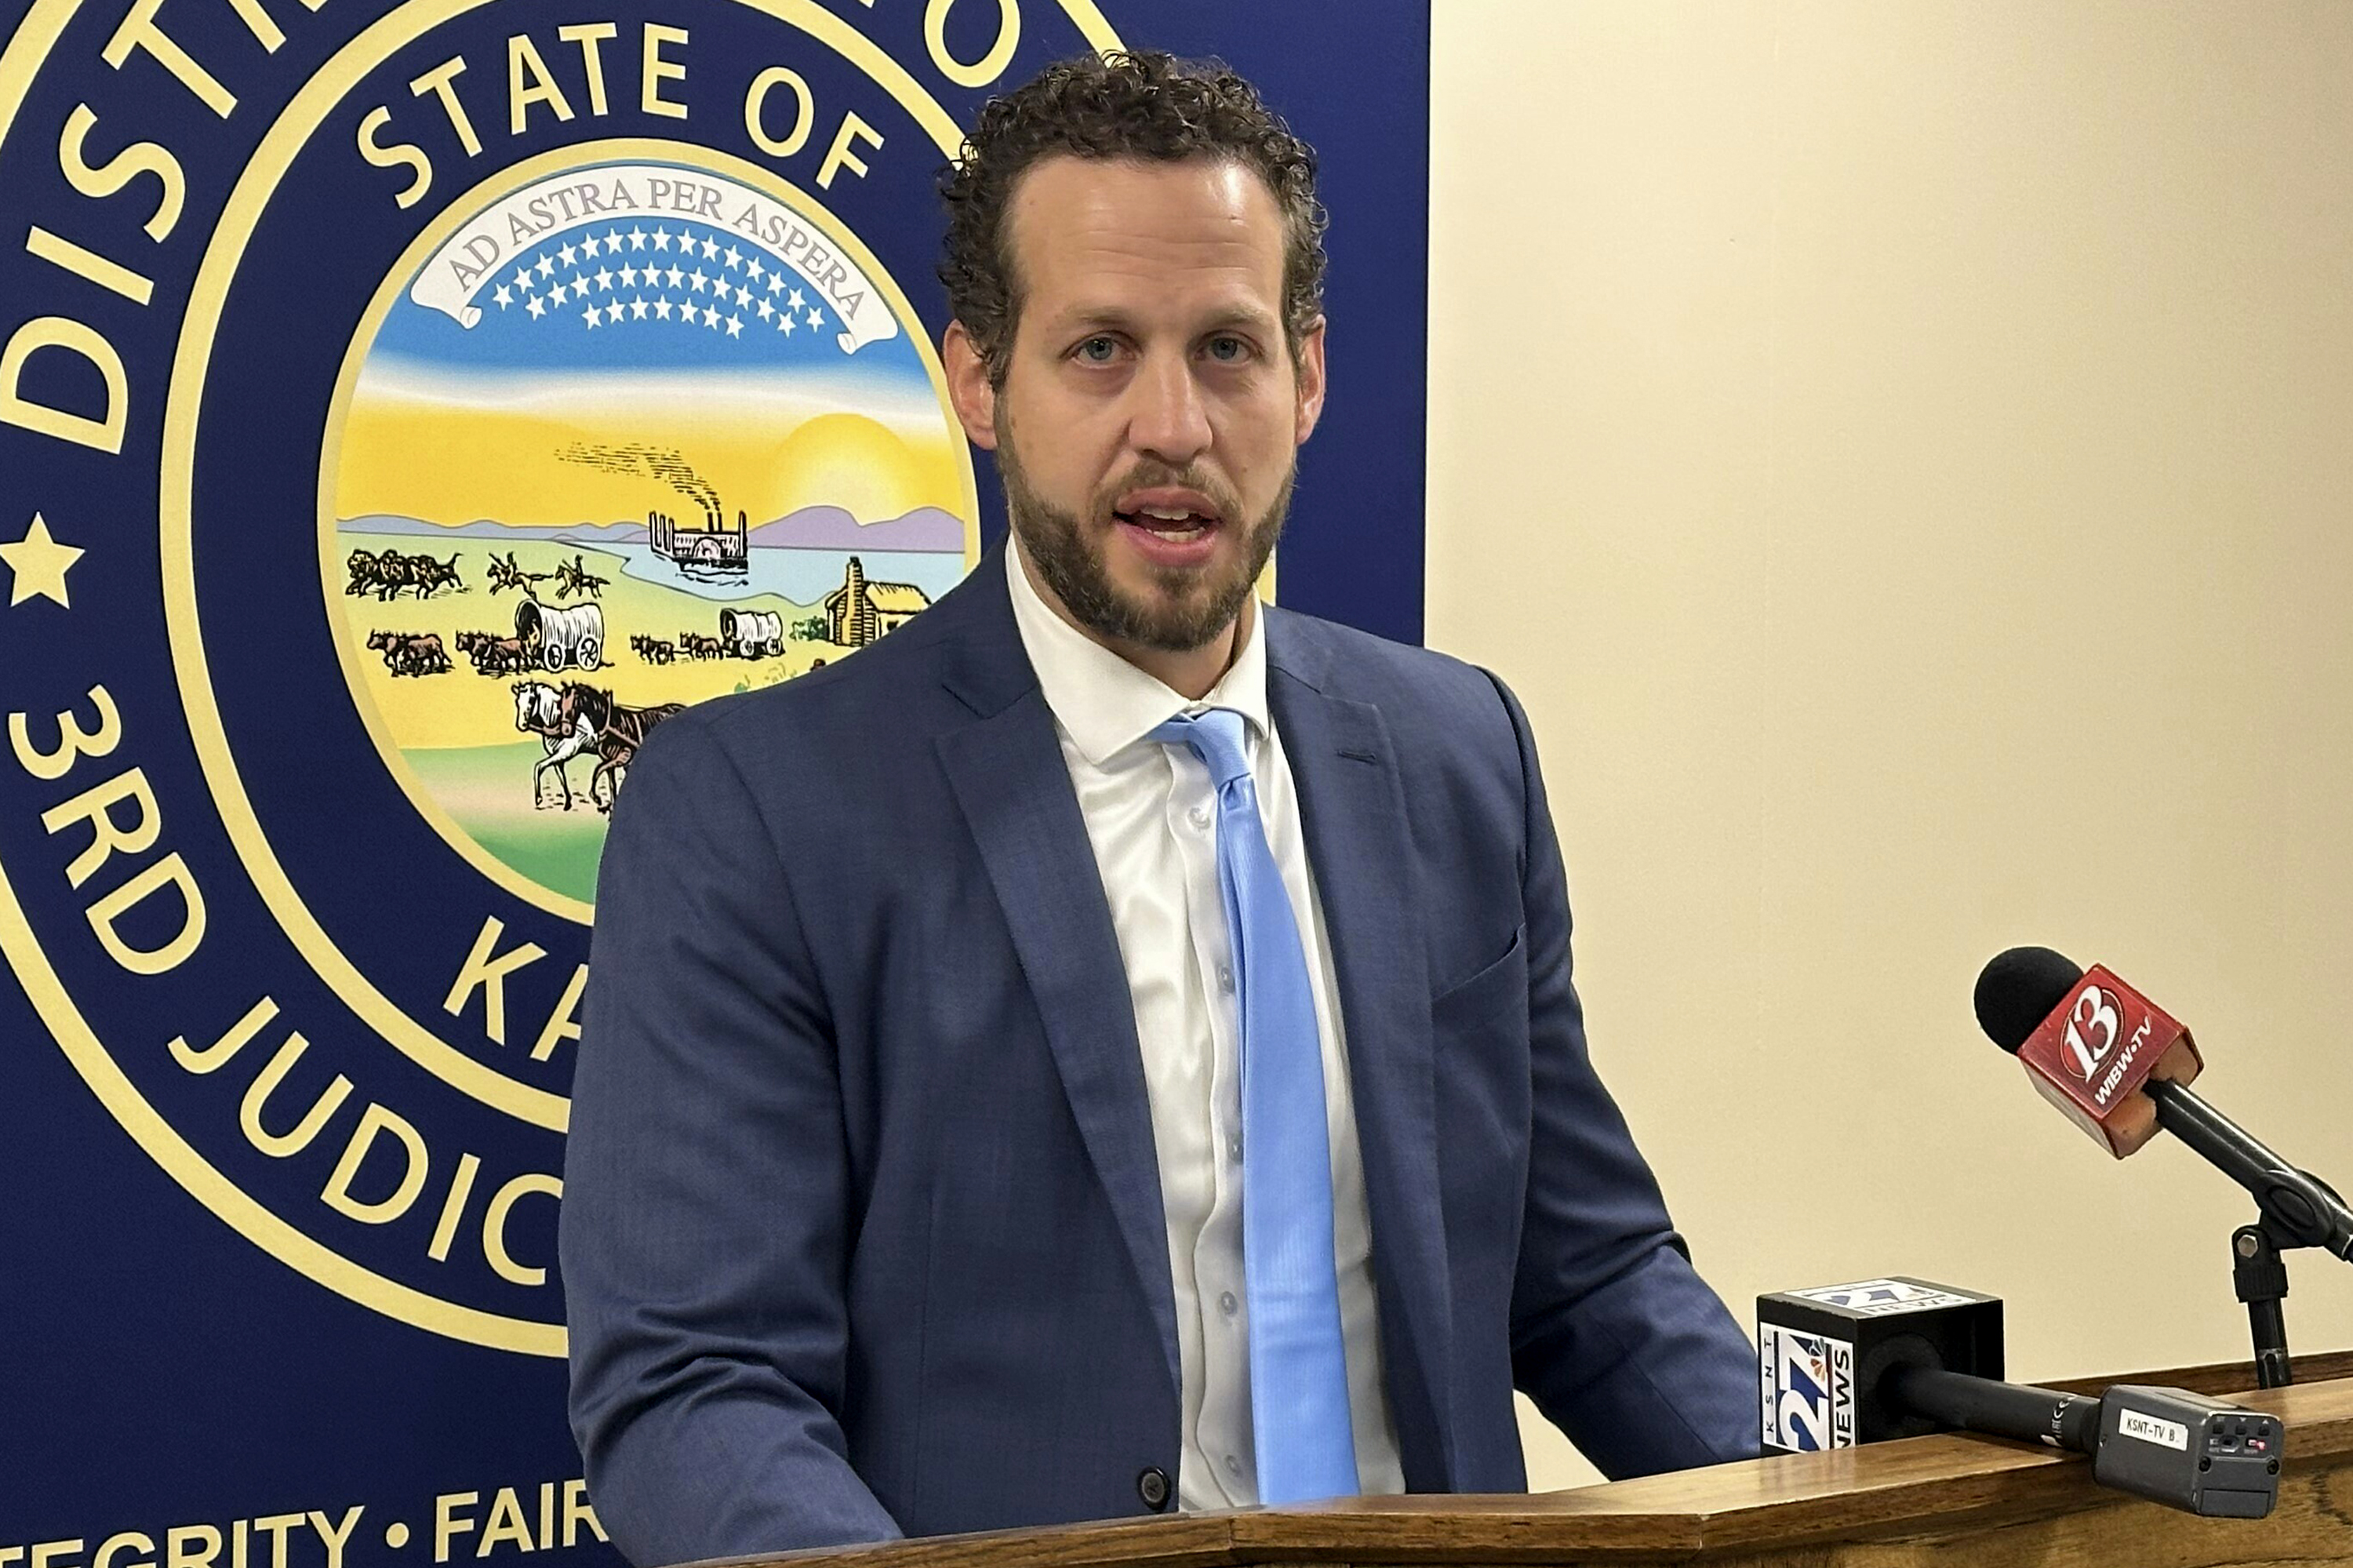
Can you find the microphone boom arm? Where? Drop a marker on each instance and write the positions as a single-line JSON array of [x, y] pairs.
[[2296, 1204]]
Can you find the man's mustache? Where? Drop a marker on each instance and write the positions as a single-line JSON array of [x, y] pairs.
[[1161, 476]]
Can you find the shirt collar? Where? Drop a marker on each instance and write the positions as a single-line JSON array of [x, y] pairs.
[[1105, 704]]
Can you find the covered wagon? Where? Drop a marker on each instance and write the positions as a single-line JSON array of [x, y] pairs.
[[751, 632], [558, 640]]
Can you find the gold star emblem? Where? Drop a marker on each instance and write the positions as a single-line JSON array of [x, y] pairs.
[[38, 564]]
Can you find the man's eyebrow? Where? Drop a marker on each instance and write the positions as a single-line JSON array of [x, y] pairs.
[[1252, 317], [1091, 318], [1082, 319]]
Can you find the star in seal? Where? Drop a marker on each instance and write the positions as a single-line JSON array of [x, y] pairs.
[[38, 565]]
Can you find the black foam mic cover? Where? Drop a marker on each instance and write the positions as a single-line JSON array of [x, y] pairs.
[[2018, 989]]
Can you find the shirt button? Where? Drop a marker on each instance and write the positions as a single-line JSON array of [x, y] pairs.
[[1228, 1305], [1225, 977], [1234, 1147], [1152, 1486], [1233, 1466], [1199, 816]]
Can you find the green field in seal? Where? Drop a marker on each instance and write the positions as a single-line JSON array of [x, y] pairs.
[[486, 790]]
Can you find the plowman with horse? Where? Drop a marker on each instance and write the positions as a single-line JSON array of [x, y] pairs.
[[579, 719]]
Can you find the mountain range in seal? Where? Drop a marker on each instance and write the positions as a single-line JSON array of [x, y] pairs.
[[927, 529]]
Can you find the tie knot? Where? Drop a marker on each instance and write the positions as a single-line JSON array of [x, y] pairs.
[[1215, 735]]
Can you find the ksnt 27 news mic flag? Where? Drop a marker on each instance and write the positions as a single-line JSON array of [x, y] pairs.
[[391, 397]]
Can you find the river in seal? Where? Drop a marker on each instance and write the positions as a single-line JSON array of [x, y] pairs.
[[798, 576]]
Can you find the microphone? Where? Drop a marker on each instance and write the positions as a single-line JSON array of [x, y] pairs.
[[2120, 1068], [2172, 1446], [2090, 1043], [1847, 1364]]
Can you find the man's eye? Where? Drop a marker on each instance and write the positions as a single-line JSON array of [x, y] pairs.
[[1097, 350], [1229, 350]]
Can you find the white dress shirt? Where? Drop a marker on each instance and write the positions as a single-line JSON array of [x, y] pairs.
[[1151, 816]]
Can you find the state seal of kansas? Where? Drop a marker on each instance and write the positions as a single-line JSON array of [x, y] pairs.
[[407, 410]]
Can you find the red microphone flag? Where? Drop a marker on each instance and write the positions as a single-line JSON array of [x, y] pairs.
[[2091, 1055]]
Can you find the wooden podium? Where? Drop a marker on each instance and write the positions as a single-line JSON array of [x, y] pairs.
[[1953, 1501]]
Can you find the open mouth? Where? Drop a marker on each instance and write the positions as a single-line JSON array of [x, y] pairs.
[[1173, 525]]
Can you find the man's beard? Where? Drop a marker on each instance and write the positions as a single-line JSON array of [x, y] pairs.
[[1190, 609]]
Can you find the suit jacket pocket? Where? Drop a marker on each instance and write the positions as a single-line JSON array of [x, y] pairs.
[[1472, 1001]]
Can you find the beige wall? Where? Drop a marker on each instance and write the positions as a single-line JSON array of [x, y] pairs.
[[1901, 452]]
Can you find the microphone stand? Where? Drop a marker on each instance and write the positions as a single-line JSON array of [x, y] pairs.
[[2259, 1276], [2294, 1209]]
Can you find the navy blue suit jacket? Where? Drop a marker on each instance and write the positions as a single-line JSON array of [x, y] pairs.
[[861, 1230]]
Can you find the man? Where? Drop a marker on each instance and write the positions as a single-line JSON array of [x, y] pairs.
[[1109, 1045]]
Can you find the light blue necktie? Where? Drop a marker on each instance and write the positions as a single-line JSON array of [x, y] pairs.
[[1299, 1370]]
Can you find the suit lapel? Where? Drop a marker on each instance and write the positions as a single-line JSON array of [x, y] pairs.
[[1352, 805], [1009, 779]]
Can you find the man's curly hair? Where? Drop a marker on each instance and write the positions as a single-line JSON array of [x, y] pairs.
[[1141, 105]]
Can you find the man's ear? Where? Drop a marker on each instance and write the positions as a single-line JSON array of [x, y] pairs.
[[1308, 373], [968, 386]]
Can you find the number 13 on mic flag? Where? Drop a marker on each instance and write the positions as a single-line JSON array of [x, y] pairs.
[[2091, 1055]]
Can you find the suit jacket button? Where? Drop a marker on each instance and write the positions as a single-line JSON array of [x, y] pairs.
[[1152, 1486]]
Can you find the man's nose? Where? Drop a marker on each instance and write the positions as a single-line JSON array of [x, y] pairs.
[[1168, 421]]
